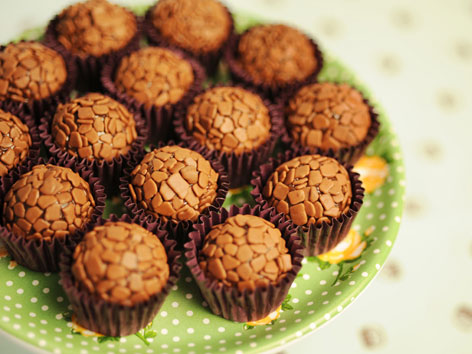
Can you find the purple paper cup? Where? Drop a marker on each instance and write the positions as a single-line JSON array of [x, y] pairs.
[[111, 319], [158, 120], [238, 166], [177, 231], [321, 238], [40, 255], [229, 302]]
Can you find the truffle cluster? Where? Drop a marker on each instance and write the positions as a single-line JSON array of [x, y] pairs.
[[94, 126], [309, 189], [328, 116], [121, 263], [276, 54], [154, 76], [30, 71], [174, 183], [229, 119], [47, 202], [199, 26], [245, 251], [15, 141], [95, 27]]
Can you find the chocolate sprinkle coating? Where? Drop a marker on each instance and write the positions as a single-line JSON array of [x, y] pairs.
[[15, 141], [276, 54], [30, 71], [95, 27], [228, 119], [328, 116], [198, 26], [94, 126], [121, 262], [174, 183], [48, 202], [309, 189], [154, 76], [246, 251]]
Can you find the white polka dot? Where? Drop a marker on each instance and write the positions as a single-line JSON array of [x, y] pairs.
[[295, 300], [34, 300], [59, 316], [18, 306], [369, 216], [309, 303], [299, 333], [222, 349], [339, 308], [327, 316], [191, 345], [283, 320], [221, 329], [294, 285], [6, 308], [175, 322], [338, 293], [204, 304], [357, 227], [189, 313], [16, 326], [163, 314], [392, 192], [31, 335], [308, 292], [298, 320], [175, 304], [312, 325], [18, 316], [253, 344], [238, 342], [352, 282], [188, 296], [9, 283], [252, 336], [44, 308], [188, 279], [42, 343], [380, 205], [47, 274], [207, 337], [306, 276], [206, 321], [322, 282], [207, 347], [238, 334], [367, 203], [20, 291], [175, 287], [364, 274], [164, 331], [362, 262], [398, 219], [6, 319], [324, 293], [46, 290], [32, 314], [190, 330], [335, 273], [35, 282], [21, 274], [388, 243], [239, 352], [176, 339], [283, 329], [164, 346], [394, 204], [60, 299], [376, 251], [377, 266], [382, 216], [8, 298], [58, 330], [304, 261]]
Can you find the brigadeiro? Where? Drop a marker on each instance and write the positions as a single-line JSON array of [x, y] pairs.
[[153, 80], [318, 194], [237, 126], [119, 275], [273, 58], [19, 141], [244, 261], [33, 77], [175, 185], [44, 208], [330, 117], [91, 32], [199, 27], [97, 131]]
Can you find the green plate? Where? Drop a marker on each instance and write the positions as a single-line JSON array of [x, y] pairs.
[[34, 308]]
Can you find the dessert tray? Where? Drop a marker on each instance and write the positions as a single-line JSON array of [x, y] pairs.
[[35, 310]]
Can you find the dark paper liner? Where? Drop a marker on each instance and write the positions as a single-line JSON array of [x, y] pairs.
[[229, 302], [238, 166], [346, 155], [272, 91], [36, 108], [89, 67], [178, 231], [209, 60], [35, 148], [39, 255], [111, 319], [158, 119], [317, 239], [108, 172]]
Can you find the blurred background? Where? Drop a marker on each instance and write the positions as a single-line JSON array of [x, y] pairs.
[[416, 57]]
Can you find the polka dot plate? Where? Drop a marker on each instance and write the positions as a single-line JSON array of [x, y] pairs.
[[34, 308]]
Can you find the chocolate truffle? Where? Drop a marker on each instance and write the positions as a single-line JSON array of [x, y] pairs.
[[121, 263], [94, 126], [245, 251], [276, 54], [309, 189], [174, 183], [48, 202], [154, 76], [15, 141], [30, 71], [95, 27], [328, 116], [199, 26], [228, 119]]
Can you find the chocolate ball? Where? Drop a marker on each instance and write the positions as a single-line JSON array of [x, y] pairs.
[[30, 71], [245, 251], [276, 54], [309, 189], [199, 26], [95, 27], [228, 119], [48, 201], [174, 183], [94, 127], [154, 76], [15, 141], [121, 263], [328, 116]]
